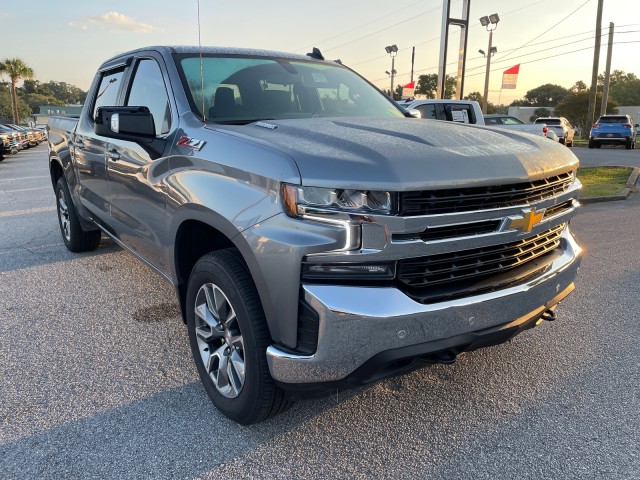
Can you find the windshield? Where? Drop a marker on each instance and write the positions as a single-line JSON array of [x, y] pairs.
[[613, 120], [240, 90]]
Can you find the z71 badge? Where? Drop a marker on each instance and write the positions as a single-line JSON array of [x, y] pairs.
[[190, 143]]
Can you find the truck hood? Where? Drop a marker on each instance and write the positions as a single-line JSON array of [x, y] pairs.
[[406, 154]]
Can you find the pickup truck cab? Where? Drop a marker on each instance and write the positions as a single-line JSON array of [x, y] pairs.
[[459, 111], [315, 236]]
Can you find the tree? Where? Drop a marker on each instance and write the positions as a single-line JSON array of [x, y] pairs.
[[66, 93], [6, 106], [547, 95], [428, 86], [16, 69], [539, 112], [477, 96], [623, 87], [575, 107]]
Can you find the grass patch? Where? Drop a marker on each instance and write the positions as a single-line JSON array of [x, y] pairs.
[[603, 181]]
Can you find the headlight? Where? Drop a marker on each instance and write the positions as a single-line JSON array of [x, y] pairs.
[[297, 199]]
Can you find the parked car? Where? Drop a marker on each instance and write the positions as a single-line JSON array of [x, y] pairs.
[[34, 136], [561, 126], [613, 130], [19, 137], [552, 135], [513, 123], [460, 111]]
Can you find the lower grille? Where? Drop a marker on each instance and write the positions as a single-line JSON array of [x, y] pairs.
[[445, 274]]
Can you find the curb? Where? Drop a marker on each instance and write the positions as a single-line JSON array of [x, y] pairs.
[[626, 193]]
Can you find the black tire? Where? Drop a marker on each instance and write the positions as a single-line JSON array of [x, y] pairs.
[[248, 397], [628, 145], [591, 144], [75, 238]]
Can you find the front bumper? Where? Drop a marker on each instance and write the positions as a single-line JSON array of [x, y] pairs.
[[357, 324]]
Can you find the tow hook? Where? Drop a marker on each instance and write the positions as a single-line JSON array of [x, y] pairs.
[[549, 316]]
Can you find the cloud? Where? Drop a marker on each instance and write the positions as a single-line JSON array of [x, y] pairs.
[[118, 20]]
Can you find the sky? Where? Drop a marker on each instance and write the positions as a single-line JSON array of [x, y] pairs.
[[553, 41]]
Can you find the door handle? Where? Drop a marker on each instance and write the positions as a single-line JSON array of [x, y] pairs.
[[113, 155]]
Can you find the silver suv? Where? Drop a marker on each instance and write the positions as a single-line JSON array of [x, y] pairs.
[[561, 127]]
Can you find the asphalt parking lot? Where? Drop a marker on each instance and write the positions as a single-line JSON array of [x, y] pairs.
[[98, 381]]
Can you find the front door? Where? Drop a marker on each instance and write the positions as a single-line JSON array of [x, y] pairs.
[[136, 171]]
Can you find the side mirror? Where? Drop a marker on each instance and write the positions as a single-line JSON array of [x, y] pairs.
[[413, 113], [125, 123]]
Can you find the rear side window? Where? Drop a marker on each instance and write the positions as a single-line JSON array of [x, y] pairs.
[[148, 90], [107, 94], [459, 113]]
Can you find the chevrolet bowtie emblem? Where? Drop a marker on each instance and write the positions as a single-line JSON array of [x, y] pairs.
[[528, 220]]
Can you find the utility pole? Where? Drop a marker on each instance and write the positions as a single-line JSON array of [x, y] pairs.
[[596, 59], [485, 100], [413, 59], [607, 72]]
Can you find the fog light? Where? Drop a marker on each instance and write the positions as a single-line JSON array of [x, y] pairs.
[[336, 271]]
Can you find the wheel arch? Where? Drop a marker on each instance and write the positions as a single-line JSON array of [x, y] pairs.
[[203, 232]]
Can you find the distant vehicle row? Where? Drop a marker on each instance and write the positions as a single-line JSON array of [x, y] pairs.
[[468, 111], [14, 138]]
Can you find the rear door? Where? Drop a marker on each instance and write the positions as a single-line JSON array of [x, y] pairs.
[[136, 171], [89, 148]]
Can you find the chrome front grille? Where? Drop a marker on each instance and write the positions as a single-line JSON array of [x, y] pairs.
[[428, 202], [468, 267]]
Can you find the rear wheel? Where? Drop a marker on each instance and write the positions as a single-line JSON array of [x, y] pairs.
[[229, 337], [591, 144], [628, 144], [75, 238]]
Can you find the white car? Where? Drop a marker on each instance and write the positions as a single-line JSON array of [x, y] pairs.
[[561, 126]]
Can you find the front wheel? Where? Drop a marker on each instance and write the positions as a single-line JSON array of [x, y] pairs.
[[229, 337], [75, 238]]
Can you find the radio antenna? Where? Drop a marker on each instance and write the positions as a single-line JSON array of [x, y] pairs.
[[201, 74]]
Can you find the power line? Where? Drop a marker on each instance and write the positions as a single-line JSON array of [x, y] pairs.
[[549, 29], [361, 26], [552, 56], [541, 43]]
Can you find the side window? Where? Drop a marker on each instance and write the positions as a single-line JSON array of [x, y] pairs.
[[427, 111], [459, 113], [148, 90], [107, 93]]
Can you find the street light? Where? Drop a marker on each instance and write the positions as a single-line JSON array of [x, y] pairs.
[[392, 50], [490, 23]]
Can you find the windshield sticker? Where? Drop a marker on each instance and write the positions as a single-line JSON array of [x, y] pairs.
[[319, 77]]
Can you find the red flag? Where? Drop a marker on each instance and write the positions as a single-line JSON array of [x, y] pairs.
[[408, 90], [510, 77]]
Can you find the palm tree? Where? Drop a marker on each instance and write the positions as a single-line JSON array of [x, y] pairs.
[[16, 69]]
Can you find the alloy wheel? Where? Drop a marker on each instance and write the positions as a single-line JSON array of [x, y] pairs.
[[219, 340]]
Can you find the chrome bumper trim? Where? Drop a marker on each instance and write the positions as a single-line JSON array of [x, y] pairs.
[[357, 323]]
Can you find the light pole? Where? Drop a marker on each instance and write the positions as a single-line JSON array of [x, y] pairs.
[[392, 50], [490, 23]]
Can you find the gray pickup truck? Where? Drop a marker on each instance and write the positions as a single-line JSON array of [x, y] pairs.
[[316, 238]]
